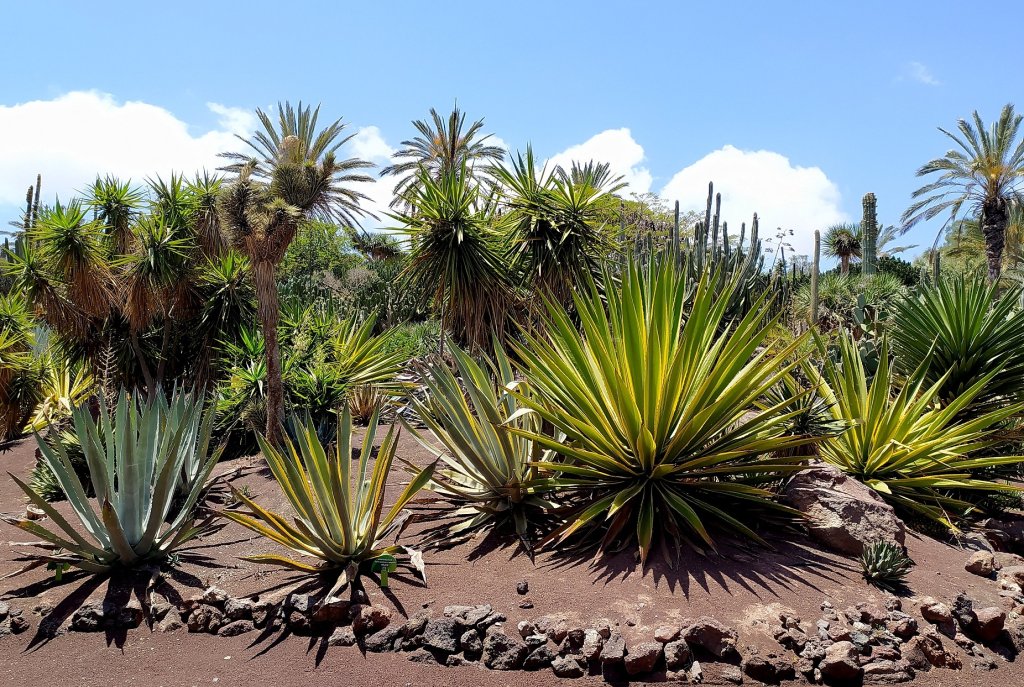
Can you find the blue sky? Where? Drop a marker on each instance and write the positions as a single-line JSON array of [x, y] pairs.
[[841, 98]]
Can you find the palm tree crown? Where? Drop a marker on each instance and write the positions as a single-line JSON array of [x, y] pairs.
[[982, 175], [443, 147]]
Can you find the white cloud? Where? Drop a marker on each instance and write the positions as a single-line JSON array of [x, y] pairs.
[[919, 72], [619, 150], [74, 137], [795, 198], [369, 144]]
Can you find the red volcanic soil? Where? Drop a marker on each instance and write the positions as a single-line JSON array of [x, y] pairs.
[[742, 587]]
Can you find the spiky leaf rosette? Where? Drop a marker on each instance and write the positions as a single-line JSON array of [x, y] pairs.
[[885, 565], [657, 407]]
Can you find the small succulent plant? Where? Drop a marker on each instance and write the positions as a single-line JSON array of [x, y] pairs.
[[885, 564]]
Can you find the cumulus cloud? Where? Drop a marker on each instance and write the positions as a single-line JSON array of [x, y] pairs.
[[72, 138], [784, 195], [369, 144], [616, 147]]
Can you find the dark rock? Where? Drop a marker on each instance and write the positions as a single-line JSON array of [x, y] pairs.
[[88, 618], [415, 625], [169, 624], [238, 609], [712, 636], [215, 596], [667, 633], [369, 619], [988, 623], [770, 669], [841, 512], [18, 624], [678, 655], [332, 611], [592, 645], [642, 657], [901, 625], [840, 662], [442, 634], [263, 612], [343, 636], [526, 604], [541, 657], [613, 651], [383, 640], [502, 652], [238, 627], [926, 650], [963, 611], [471, 643], [422, 656], [454, 661], [523, 588], [566, 666], [887, 672]]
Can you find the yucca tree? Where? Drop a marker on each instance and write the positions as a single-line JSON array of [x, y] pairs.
[[457, 257], [442, 146], [294, 175], [556, 219], [981, 176], [653, 399], [117, 205], [842, 241]]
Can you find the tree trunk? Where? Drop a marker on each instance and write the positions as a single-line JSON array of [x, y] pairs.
[[994, 218], [265, 281], [844, 264]]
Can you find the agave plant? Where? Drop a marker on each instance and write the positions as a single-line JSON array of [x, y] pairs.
[[340, 521], [489, 470], [885, 565], [148, 464], [915, 454], [959, 330], [657, 409]]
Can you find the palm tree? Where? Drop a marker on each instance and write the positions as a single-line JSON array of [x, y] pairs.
[[842, 241], [442, 147], [295, 175], [985, 174]]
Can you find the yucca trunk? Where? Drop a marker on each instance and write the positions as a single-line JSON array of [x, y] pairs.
[[994, 218], [844, 263], [265, 280]]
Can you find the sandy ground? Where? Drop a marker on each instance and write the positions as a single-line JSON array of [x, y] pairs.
[[738, 586]]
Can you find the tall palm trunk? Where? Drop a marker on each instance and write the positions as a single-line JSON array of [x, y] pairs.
[[844, 264], [265, 281], [994, 219]]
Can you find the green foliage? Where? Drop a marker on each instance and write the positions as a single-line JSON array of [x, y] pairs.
[[914, 454], [959, 331], [885, 565], [649, 400], [457, 257], [339, 512], [839, 294], [148, 464], [488, 467]]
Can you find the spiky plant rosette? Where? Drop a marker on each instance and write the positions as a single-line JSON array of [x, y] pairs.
[[148, 463], [488, 479], [885, 564], [340, 526], [652, 398]]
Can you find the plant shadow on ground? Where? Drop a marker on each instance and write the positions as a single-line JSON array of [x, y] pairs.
[[318, 587], [121, 586], [788, 562]]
